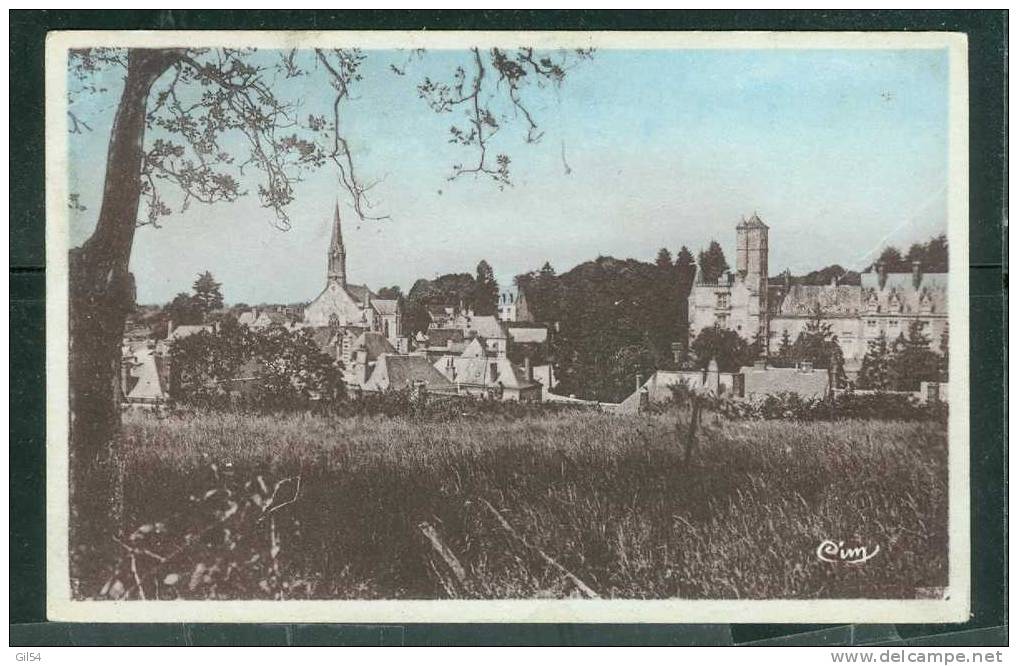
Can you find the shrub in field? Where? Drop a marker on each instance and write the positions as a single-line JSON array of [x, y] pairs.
[[226, 542], [839, 406]]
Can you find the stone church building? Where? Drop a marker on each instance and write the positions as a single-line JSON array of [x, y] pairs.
[[342, 304], [752, 304]]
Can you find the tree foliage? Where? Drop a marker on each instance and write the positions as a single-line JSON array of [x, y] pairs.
[[611, 325], [540, 289], [485, 296], [931, 255], [877, 368], [272, 369], [727, 347], [902, 364], [712, 262], [914, 361], [207, 294]]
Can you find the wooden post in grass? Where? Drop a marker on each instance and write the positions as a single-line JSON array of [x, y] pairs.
[[694, 422]]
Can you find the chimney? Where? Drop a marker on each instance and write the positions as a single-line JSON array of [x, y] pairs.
[[881, 274], [788, 280], [834, 280], [169, 327], [678, 352], [917, 274], [639, 381]]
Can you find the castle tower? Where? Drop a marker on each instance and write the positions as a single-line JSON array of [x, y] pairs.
[[751, 266], [337, 254], [751, 249]]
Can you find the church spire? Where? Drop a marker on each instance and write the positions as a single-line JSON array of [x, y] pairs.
[[337, 253]]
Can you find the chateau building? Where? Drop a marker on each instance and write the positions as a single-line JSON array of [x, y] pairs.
[[750, 303], [341, 304]]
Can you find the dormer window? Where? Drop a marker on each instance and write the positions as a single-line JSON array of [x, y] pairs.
[[873, 303]]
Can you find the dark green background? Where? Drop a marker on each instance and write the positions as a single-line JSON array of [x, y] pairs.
[[987, 33]]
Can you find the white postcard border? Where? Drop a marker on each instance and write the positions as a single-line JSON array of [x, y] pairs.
[[60, 606]]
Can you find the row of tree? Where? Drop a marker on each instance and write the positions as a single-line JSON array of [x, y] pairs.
[[903, 363], [931, 255], [477, 292]]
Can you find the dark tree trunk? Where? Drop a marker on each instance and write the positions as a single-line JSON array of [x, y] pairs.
[[101, 294]]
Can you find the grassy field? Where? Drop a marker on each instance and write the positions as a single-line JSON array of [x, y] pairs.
[[602, 499]]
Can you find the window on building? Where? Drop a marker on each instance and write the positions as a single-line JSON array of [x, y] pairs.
[[494, 372], [722, 301]]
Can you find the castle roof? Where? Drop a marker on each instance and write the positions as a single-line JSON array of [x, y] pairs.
[[754, 222], [802, 300]]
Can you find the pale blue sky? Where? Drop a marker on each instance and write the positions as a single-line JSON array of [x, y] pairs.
[[836, 150]]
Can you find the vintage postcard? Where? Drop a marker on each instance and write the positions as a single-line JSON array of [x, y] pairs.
[[507, 327]]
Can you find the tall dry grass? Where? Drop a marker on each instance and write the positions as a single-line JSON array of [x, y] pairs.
[[606, 496]]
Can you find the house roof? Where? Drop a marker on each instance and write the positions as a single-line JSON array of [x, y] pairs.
[[487, 326], [398, 371], [441, 337], [528, 334], [475, 349], [477, 370], [374, 344], [385, 306]]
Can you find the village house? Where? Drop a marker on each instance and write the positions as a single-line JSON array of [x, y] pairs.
[[394, 372], [479, 373]]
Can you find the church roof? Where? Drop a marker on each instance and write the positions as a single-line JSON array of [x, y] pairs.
[[385, 306], [360, 292], [337, 232]]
